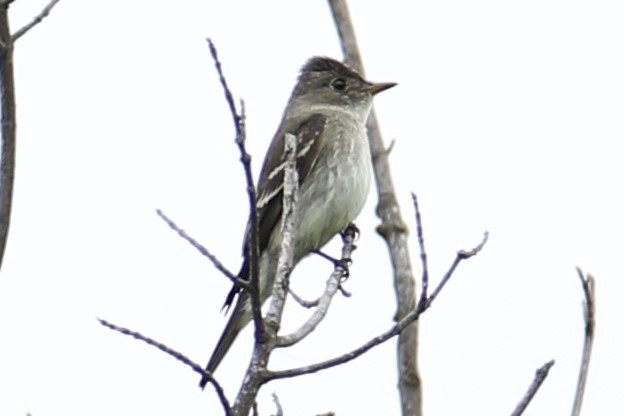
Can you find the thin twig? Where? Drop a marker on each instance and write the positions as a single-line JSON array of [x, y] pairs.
[[203, 250], [540, 376], [178, 356], [589, 316], [253, 243], [461, 255], [278, 406], [44, 13], [308, 304], [423, 253], [229, 98]]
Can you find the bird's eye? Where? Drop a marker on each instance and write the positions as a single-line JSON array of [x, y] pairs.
[[339, 84]]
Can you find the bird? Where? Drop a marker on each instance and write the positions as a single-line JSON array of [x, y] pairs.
[[327, 113]]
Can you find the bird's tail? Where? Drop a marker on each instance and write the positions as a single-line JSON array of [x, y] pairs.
[[239, 318]]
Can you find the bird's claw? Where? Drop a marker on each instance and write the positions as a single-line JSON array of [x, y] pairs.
[[351, 231], [344, 265]]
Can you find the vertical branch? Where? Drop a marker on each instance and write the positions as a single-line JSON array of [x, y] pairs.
[[7, 162], [392, 229], [590, 323], [254, 244], [423, 253], [239, 126], [286, 258], [257, 373]]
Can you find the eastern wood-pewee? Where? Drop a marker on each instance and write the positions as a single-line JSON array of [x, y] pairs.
[[327, 112]]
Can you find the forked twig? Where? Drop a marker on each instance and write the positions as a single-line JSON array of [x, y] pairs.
[[409, 319], [461, 256]]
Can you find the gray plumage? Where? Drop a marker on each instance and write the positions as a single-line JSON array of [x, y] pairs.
[[327, 112]]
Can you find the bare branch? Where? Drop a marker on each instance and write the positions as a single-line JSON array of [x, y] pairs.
[[331, 287], [392, 228], [229, 98], [253, 248], [44, 13], [589, 316], [540, 376], [423, 253], [254, 243], [178, 356], [308, 304], [404, 323], [264, 345], [285, 262], [395, 330], [461, 255], [7, 108], [203, 250]]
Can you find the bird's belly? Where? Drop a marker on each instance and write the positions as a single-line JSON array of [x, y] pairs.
[[321, 215]]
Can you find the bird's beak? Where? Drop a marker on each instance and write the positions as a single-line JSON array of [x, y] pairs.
[[379, 87]]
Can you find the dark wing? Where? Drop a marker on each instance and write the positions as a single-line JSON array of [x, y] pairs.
[[271, 182]]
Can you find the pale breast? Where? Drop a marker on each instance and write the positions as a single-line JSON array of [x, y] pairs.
[[334, 193]]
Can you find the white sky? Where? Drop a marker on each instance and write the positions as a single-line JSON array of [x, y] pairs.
[[507, 118]]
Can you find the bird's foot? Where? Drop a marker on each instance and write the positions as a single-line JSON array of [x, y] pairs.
[[352, 231]]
